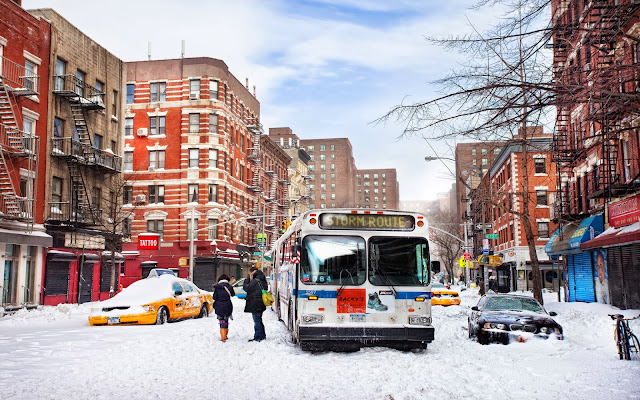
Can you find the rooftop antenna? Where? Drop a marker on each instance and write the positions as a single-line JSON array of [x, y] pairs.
[[183, 49], [149, 51]]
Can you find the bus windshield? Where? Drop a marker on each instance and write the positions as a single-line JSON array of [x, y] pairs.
[[398, 261], [333, 260]]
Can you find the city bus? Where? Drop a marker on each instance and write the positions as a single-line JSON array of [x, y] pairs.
[[343, 279]]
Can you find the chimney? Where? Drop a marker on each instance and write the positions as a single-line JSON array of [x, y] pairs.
[[254, 90], [149, 51], [246, 83], [182, 55]]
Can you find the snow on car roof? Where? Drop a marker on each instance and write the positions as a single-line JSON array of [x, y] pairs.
[[145, 291]]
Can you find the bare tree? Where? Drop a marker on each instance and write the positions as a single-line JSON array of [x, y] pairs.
[[447, 247]]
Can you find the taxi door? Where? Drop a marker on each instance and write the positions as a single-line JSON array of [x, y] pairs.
[[192, 308], [179, 301]]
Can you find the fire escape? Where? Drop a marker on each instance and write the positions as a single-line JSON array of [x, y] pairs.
[[81, 157], [259, 206], [18, 149], [601, 92]]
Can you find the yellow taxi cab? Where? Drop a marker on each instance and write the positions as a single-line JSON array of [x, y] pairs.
[[154, 300], [442, 295]]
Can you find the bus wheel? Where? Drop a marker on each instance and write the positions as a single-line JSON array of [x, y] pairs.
[[278, 308]]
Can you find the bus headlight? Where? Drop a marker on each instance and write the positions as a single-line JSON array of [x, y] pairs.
[[419, 320], [312, 319]]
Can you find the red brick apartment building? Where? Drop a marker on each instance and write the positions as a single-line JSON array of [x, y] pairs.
[[501, 190], [596, 47], [378, 188], [24, 98], [333, 173], [195, 155]]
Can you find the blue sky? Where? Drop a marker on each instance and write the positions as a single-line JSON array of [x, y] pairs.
[[325, 68]]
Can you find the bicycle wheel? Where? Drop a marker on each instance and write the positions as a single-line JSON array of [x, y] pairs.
[[634, 347], [618, 336], [624, 341]]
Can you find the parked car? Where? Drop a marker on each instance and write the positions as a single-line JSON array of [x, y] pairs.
[[442, 295], [154, 300], [506, 317], [237, 287]]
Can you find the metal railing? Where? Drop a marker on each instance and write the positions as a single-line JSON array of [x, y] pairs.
[[70, 86], [61, 211], [15, 207], [17, 141], [19, 78], [85, 153]]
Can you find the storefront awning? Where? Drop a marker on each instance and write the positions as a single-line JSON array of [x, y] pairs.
[[615, 236], [559, 242], [588, 229], [33, 238]]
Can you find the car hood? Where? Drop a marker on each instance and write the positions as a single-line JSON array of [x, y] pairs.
[[510, 317]]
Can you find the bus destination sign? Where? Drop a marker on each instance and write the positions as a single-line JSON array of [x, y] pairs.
[[367, 222]]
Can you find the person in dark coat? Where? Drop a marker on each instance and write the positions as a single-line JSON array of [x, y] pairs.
[[222, 292], [253, 285]]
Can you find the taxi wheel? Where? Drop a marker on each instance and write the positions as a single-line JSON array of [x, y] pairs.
[[470, 330], [162, 316], [203, 312]]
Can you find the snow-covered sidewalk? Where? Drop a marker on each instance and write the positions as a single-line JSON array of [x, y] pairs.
[[53, 353]]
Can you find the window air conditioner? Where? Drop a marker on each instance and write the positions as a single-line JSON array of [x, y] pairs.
[[141, 199], [142, 132], [194, 96]]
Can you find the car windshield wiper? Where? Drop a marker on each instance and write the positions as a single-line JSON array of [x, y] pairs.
[[383, 274], [350, 276]]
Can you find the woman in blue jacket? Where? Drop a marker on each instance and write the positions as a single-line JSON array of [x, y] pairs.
[[222, 292]]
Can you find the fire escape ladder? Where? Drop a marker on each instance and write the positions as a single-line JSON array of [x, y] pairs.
[[286, 204], [274, 201], [80, 206], [80, 122], [609, 176]]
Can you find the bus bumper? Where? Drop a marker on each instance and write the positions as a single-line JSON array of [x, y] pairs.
[[336, 338]]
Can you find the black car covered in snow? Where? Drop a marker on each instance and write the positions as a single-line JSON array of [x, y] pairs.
[[506, 317]]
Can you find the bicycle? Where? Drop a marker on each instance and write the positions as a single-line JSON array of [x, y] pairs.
[[627, 342]]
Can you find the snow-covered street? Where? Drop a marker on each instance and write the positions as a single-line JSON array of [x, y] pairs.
[[53, 353]]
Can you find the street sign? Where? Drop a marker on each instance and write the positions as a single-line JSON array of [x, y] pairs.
[[485, 252], [485, 226], [467, 256], [257, 253], [492, 235]]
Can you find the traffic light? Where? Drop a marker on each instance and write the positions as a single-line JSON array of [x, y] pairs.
[[283, 226], [288, 223]]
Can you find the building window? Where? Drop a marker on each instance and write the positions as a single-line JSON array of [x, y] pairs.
[[322, 147], [310, 148], [156, 194], [156, 159], [323, 177], [80, 77], [99, 94], [130, 93], [496, 150], [484, 151], [323, 157], [114, 103], [97, 141], [323, 186], [333, 196], [366, 176], [485, 161], [194, 123], [194, 158], [541, 196], [333, 177], [474, 162], [543, 230], [127, 194], [56, 195], [192, 192], [128, 126], [213, 123], [333, 167], [58, 128], [128, 160], [194, 89], [213, 158], [213, 229], [323, 167], [473, 152], [213, 194], [61, 70], [96, 198], [158, 92], [213, 90], [541, 167], [156, 126], [156, 226], [192, 230]]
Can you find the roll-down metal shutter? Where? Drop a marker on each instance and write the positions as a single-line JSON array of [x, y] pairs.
[[631, 275], [581, 286], [614, 272]]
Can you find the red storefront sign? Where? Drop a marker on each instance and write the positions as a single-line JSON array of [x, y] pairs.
[[624, 212], [148, 241]]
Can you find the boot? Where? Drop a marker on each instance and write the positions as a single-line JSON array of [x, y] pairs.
[[223, 337]]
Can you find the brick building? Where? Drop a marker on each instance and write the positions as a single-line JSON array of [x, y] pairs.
[[597, 148], [298, 170], [377, 188], [501, 190], [84, 137], [196, 160], [24, 98], [332, 170]]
